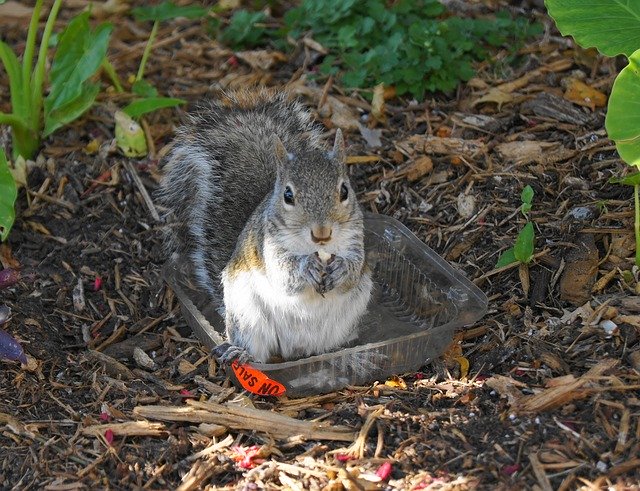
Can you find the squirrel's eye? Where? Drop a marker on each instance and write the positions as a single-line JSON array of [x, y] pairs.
[[288, 195], [344, 192]]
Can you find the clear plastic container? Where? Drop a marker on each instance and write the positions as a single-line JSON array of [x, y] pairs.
[[418, 301]]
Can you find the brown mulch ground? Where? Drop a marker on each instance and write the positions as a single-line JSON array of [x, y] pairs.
[[551, 395]]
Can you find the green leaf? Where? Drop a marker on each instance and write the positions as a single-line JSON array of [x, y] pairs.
[[523, 248], [79, 55], [630, 180], [242, 29], [144, 89], [612, 26], [168, 10], [623, 113], [150, 104], [19, 93], [527, 195], [506, 258], [71, 110], [8, 194]]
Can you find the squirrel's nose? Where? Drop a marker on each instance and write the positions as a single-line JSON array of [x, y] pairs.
[[320, 234]]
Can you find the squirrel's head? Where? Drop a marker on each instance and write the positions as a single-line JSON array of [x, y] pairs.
[[314, 204]]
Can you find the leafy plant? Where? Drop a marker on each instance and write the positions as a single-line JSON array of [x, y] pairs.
[[8, 194], [150, 101], [78, 56], [613, 28], [409, 44], [244, 29], [522, 251]]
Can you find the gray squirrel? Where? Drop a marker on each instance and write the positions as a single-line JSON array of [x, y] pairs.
[[269, 220]]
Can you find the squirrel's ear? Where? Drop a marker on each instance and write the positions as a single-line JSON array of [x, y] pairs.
[[338, 151], [278, 148]]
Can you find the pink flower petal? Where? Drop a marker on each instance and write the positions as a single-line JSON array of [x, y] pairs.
[[108, 435], [187, 394], [384, 471], [509, 470], [343, 457]]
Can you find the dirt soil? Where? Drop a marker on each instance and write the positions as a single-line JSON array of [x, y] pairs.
[[541, 393]]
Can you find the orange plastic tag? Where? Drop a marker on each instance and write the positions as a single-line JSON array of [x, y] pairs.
[[255, 381]]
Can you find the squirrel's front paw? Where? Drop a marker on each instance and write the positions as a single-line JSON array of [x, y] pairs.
[[335, 271], [225, 353], [313, 271]]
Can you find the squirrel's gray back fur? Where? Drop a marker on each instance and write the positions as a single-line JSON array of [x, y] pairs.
[[220, 170]]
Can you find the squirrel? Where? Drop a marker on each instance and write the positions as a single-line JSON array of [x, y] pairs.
[[271, 225]]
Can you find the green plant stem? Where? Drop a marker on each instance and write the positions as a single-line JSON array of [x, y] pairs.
[[38, 76], [13, 120], [111, 72], [147, 50], [636, 225], [27, 59]]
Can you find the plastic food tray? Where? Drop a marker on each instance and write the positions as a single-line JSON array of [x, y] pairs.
[[418, 301]]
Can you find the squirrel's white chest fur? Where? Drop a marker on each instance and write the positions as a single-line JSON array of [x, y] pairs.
[[294, 326]]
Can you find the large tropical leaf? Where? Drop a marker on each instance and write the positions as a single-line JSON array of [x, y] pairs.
[[611, 26], [623, 113]]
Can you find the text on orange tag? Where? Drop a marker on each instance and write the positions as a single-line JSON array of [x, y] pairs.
[[255, 381]]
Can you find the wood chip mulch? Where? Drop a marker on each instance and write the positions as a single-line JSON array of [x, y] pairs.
[[542, 393]]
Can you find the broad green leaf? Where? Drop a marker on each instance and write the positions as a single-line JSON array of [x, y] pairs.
[[507, 257], [150, 104], [623, 113], [129, 136], [79, 55], [8, 194], [144, 89], [611, 26], [72, 110], [168, 10], [523, 248], [630, 180]]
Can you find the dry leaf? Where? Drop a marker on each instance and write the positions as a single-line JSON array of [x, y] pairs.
[[506, 387], [7, 259], [340, 114], [418, 168], [580, 272], [466, 204], [396, 382], [424, 144], [261, 59], [228, 4], [92, 147], [185, 367], [496, 96], [19, 171], [37, 227], [584, 95], [464, 366], [477, 83], [314, 45], [110, 7], [526, 152], [377, 104], [371, 136]]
